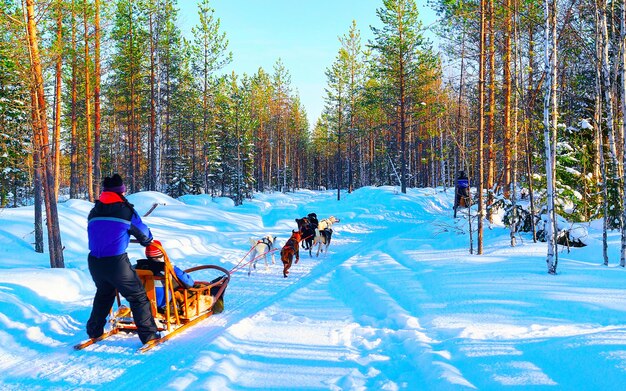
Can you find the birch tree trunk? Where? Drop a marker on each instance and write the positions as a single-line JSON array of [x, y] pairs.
[[530, 130], [599, 137], [613, 179], [622, 259], [548, 106], [507, 87], [606, 77], [481, 126]]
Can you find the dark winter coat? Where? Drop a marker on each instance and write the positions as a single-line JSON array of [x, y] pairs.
[[110, 224], [461, 191]]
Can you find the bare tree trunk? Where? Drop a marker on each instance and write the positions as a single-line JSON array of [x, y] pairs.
[[339, 169], [159, 139], [549, 107], [41, 138], [622, 259], [37, 185], [530, 130], [152, 146], [481, 126], [506, 180], [74, 183], [491, 124], [403, 172], [88, 134], [611, 174], [608, 92], [460, 124], [599, 133], [132, 136], [515, 87], [442, 162], [285, 142], [57, 101], [97, 174]]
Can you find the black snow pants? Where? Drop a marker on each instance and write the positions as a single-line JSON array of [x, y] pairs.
[[109, 274]]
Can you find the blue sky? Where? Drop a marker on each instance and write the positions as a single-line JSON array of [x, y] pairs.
[[304, 34]]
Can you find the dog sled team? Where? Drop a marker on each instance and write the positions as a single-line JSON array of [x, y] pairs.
[[310, 233], [163, 299]]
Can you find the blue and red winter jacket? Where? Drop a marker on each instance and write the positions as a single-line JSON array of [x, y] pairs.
[[185, 278], [462, 183], [110, 224]]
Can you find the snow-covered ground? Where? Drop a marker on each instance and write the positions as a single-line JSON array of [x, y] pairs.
[[398, 303]]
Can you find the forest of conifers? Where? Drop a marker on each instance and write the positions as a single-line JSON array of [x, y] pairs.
[[521, 94]]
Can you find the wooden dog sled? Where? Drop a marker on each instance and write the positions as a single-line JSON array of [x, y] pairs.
[[184, 307]]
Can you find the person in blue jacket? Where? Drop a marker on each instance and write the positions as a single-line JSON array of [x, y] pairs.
[[111, 222], [155, 263], [461, 192]]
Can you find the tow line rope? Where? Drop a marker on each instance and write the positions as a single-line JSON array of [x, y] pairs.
[[240, 266]]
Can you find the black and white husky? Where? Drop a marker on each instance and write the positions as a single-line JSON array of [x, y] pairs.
[[322, 240], [260, 248], [323, 234]]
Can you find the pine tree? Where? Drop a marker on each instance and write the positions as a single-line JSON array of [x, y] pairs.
[[337, 99], [40, 137], [210, 54], [14, 137], [126, 86], [261, 97], [351, 43], [281, 85], [237, 158], [401, 45]]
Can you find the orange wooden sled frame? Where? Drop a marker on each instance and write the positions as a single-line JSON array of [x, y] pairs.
[[195, 303]]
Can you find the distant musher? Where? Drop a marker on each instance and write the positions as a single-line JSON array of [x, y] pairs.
[[461, 192]]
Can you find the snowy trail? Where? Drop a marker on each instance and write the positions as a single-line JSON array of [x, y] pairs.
[[397, 304]]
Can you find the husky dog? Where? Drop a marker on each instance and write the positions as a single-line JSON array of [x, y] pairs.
[[290, 249], [322, 239], [327, 223], [260, 248], [323, 234], [306, 226]]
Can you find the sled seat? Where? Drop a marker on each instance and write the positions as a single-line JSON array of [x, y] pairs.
[[188, 303]]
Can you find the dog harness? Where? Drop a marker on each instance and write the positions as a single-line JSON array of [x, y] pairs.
[[266, 242]]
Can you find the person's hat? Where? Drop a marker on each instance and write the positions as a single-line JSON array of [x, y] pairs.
[[114, 184], [153, 251]]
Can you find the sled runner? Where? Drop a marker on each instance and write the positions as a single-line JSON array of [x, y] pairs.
[[183, 307]]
